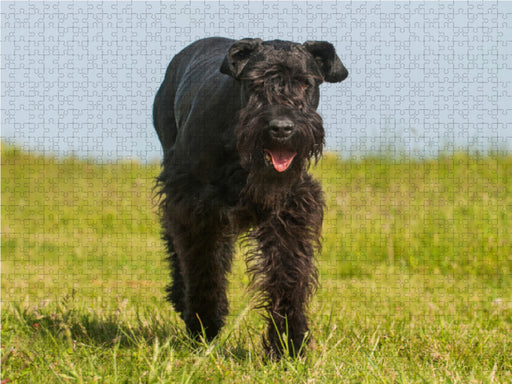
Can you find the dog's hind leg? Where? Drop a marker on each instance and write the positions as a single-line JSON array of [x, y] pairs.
[[203, 253], [176, 289]]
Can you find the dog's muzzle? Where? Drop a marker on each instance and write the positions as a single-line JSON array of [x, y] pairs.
[[277, 154]]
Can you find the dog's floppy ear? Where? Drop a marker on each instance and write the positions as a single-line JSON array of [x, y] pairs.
[[238, 56], [330, 64]]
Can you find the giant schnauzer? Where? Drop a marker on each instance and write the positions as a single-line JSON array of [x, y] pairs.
[[238, 125]]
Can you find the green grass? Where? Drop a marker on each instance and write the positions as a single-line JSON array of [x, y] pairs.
[[415, 278]]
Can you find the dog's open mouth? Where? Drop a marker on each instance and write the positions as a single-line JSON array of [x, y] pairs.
[[280, 158]]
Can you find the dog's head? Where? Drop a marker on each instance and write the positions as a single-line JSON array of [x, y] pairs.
[[279, 130]]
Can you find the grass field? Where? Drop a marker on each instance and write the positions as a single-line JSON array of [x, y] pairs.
[[415, 278]]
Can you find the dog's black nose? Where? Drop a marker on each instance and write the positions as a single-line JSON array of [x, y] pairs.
[[281, 128]]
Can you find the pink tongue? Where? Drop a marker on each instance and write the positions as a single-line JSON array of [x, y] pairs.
[[281, 159]]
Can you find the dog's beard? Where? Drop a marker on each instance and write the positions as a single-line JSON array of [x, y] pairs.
[[270, 191], [273, 171]]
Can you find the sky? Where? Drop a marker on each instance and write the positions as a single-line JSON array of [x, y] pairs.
[[79, 78]]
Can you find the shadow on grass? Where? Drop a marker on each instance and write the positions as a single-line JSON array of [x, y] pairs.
[[69, 326]]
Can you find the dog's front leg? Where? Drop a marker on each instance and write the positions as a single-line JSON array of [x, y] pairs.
[[285, 272]]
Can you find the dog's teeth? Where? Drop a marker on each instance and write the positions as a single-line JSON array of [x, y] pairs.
[[268, 157]]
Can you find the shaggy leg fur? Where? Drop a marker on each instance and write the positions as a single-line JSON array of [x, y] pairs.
[[200, 264], [284, 266], [175, 290]]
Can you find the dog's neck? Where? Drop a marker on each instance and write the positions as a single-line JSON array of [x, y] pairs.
[[270, 193]]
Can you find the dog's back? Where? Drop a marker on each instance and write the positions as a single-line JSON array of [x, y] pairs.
[[192, 73]]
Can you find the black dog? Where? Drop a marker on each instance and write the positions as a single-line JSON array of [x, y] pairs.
[[238, 125]]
